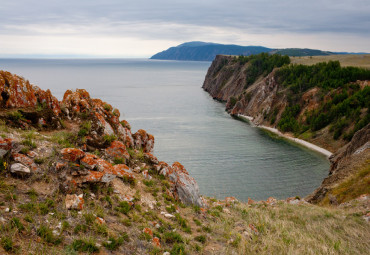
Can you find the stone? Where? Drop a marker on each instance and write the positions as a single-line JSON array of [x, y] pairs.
[[123, 171], [143, 140], [186, 187], [6, 145], [151, 158], [21, 158], [156, 242], [89, 161], [100, 121], [18, 168], [99, 220], [74, 202], [146, 175], [72, 154], [117, 150]]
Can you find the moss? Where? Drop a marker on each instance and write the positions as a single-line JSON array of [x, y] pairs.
[[85, 245]]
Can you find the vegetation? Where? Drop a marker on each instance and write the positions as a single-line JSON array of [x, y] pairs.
[[345, 102], [300, 78], [261, 64]]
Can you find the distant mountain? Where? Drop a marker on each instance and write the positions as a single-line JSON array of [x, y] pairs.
[[201, 51], [206, 51]]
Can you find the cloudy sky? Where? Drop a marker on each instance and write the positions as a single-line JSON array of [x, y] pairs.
[[141, 28]]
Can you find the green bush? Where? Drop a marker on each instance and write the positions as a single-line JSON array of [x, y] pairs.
[[85, 245]]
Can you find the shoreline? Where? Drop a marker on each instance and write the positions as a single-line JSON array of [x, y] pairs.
[[304, 143]]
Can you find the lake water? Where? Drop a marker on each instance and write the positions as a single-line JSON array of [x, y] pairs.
[[227, 157]]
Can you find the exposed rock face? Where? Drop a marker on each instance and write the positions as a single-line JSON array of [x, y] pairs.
[[100, 131], [344, 163], [224, 78]]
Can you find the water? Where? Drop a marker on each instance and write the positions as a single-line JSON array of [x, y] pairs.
[[227, 157]]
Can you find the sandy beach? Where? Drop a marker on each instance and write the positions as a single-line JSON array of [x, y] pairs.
[[296, 140]]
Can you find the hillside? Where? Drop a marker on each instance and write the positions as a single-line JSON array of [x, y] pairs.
[[324, 104], [199, 51], [202, 51], [75, 179]]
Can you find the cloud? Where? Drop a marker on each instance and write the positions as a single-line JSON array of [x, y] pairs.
[[262, 22]]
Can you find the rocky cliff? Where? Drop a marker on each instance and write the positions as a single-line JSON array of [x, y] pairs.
[[270, 102]]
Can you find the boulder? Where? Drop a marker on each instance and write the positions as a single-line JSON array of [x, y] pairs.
[[18, 168], [72, 154], [21, 158], [186, 187]]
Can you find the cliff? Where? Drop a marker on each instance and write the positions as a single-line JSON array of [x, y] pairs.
[[325, 110], [75, 179]]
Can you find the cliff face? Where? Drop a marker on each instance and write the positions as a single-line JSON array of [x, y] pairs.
[[267, 100], [225, 78]]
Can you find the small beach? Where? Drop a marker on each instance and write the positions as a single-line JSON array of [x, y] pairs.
[[296, 140]]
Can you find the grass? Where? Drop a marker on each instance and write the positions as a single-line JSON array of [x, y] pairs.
[[345, 60], [353, 187]]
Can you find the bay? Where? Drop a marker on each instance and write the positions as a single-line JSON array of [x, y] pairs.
[[227, 157]]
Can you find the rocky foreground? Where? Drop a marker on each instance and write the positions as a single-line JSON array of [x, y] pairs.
[[74, 179]]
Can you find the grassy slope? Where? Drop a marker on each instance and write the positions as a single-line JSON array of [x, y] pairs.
[[345, 60], [37, 208]]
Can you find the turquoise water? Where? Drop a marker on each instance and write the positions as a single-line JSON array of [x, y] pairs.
[[227, 157]]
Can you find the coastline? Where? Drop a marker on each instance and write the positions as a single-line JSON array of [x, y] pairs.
[[304, 143]]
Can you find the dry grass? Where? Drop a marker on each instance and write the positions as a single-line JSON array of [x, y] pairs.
[[352, 187], [292, 229], [345, 60]]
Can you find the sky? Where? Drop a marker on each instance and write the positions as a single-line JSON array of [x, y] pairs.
[[141, 28]]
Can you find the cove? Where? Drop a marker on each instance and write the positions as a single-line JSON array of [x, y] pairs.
[[227, 157]]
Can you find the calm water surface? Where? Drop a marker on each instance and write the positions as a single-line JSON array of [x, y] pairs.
[[227, 157]]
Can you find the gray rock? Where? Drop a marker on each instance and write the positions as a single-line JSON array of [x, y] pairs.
[[19, 168]]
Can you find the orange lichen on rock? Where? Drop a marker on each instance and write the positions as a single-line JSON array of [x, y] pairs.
[[156, 242], [74, 202], [143, 140], [89, 160], [117, 150], [72, 154], [123, 171]]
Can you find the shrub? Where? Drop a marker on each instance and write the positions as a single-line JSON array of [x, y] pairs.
[[172, 237], [85, 245], [114, 244], [123, 207]]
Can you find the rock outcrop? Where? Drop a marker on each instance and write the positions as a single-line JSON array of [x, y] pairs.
[[101, 132]]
